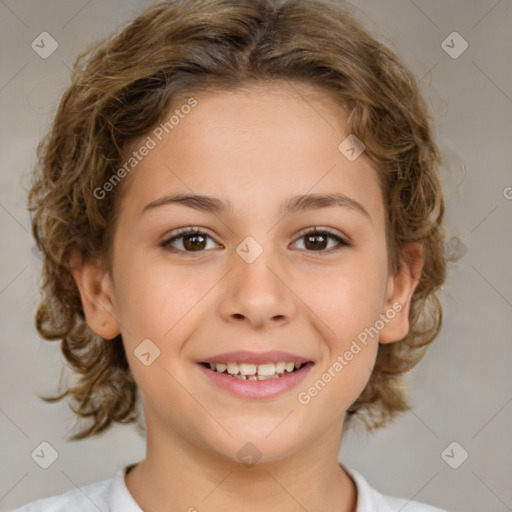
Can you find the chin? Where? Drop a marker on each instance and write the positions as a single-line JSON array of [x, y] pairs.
[[251, 446]]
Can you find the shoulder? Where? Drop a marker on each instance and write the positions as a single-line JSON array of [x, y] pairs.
[[91, 497], [370, 499]]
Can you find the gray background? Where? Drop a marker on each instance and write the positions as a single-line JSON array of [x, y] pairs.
[[462, 391]]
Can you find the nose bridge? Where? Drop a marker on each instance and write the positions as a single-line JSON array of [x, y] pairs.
[[256, 289], [257, 265]]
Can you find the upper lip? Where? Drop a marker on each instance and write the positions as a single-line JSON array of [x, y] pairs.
[[244, 356]]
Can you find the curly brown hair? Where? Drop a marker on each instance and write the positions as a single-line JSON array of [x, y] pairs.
[[123, 86]]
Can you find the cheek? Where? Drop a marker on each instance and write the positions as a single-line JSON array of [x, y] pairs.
[[156, 298], [351, 375], [340, 380], [347, 298]]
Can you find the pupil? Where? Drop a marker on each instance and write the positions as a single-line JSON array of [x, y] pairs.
[[315, 244], [187, 239]]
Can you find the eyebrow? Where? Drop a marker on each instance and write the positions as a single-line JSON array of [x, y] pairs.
[[299, 203]]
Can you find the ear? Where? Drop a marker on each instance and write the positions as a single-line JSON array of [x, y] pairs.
[[96, 291], [399, 292]]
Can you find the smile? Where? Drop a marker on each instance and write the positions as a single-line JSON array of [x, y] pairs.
[[245, 380], [250, 371]]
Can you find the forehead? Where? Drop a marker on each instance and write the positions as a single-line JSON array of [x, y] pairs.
[[253, 147]]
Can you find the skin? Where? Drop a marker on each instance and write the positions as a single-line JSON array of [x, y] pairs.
[[256, 148]]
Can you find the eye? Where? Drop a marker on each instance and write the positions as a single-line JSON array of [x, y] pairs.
[[317, 238], [191, 239]]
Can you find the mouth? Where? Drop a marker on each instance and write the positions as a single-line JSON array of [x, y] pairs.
[[251, 371], [256, 376]]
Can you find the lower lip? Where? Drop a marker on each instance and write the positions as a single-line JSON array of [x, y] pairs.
[[257, 389]]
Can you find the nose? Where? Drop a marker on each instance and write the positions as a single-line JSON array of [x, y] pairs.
[[259, 293]]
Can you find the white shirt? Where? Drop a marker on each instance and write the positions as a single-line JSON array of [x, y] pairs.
[[113, 496]]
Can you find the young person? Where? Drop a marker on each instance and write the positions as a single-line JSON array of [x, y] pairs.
[[241, 220]]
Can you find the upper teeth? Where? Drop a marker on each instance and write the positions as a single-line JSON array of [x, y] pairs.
[[265, 369]]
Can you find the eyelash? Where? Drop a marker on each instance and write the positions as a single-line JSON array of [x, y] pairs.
[[166, 244]]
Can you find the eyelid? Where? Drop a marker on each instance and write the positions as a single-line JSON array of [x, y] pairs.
[[321, 229], [187, 230]]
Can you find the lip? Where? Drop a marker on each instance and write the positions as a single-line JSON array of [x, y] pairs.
[[257, 389], [244, 356]]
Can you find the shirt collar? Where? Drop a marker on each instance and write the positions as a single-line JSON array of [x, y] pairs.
[[368, 499], [119, 497]]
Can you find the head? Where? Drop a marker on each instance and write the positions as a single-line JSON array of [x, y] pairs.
[[247, 102]]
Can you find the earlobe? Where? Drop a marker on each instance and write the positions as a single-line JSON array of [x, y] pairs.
[[95, 286], [400, 289]]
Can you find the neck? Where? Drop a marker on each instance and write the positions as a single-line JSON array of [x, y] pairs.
[[177, 475]]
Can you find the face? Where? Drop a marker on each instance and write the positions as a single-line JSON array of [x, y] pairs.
[[255, 277]]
